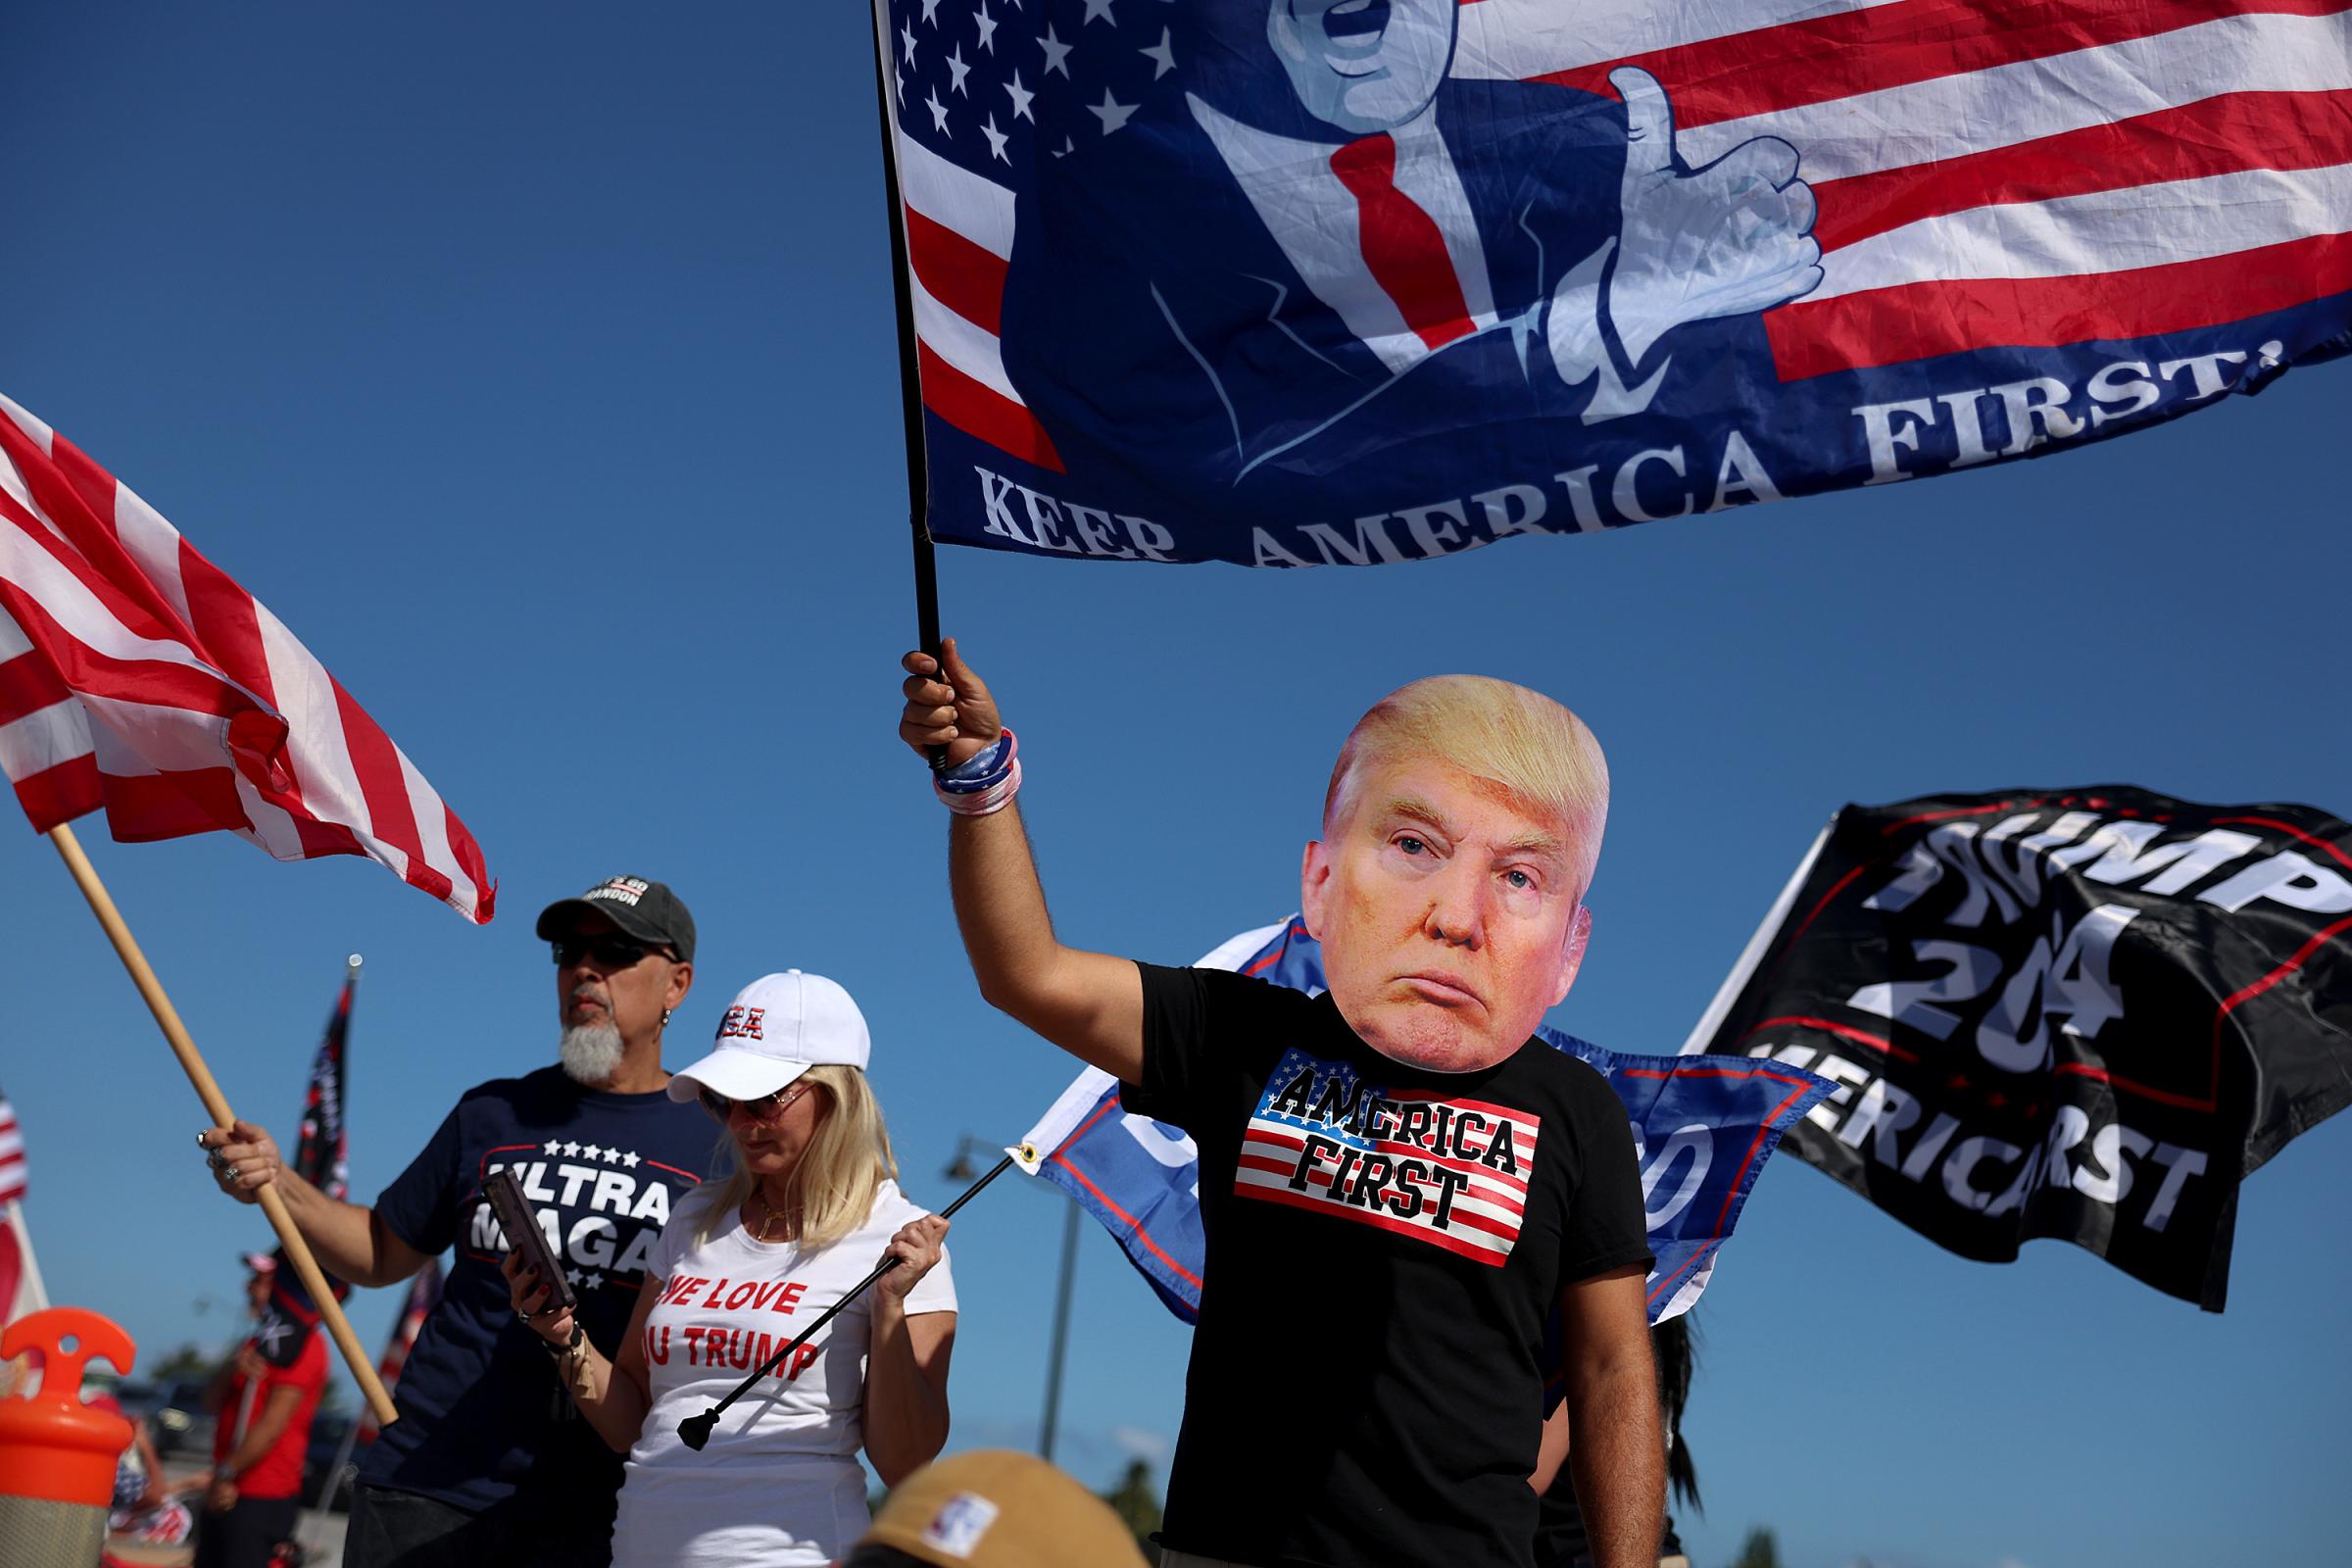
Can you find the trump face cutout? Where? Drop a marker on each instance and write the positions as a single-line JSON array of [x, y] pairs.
[[1449, 910]]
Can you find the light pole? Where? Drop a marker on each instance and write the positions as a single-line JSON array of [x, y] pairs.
[[962, 1169]]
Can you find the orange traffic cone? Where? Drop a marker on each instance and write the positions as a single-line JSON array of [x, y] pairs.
[[57, 1455]]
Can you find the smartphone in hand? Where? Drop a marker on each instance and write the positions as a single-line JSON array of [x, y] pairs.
[[524, 1239]]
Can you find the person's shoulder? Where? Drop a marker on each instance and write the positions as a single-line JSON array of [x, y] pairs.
[[891, 1209], [1583, 1086], [540, 1083]]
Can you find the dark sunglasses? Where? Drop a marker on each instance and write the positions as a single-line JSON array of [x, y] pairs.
[[767, 1107], [608, 952]]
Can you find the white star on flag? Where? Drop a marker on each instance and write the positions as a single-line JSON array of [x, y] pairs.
[[939, 111], [1021, 99], [931, 11], [996, 140], [906, 37], [1161, 54], [1112, 113], [1101, 9], [1058, 53], [958, 71], [988, 28]]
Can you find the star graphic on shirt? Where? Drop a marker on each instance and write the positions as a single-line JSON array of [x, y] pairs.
[[1098, 8], [1162, 56], [591, 1151], [939, 111], [957, 72], [571, 1150], [906, 37], [630, 1159], [1021, 98], [1112, 113], [574, 1275], [552, 1145], [996, 140], [988, 28], [1058, 53], [593, 1281]]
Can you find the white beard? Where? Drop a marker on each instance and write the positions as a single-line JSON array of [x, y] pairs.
[[590, 1053]]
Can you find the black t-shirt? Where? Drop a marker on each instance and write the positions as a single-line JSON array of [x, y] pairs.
[[483, 1417], [1366, 1389]]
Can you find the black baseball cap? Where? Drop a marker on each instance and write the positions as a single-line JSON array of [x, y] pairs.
[[646, 909]]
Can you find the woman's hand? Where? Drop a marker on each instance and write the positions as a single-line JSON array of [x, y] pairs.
[[529, 1298], [916, 1247]]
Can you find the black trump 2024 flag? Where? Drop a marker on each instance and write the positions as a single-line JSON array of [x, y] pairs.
[[2082, 1013]]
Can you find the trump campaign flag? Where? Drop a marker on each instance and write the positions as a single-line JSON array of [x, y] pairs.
[[1703, 1130], [136, 677], [2084, 1014], [1303, 282], [321, 1158]]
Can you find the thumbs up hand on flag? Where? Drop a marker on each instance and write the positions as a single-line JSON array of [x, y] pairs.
[[946, 705], [1728, 239]]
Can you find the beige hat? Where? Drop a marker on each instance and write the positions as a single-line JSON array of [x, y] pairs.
[[994, 1508]]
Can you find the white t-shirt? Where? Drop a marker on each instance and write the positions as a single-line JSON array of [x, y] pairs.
[[778, 1485]]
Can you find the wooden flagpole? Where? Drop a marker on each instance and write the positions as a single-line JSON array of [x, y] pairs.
[[910, 392], [215, 1105]]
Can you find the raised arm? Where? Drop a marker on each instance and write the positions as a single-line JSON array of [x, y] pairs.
[[1089, 1003], [350, 1241]]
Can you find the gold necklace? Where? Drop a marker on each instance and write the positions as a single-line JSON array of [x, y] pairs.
[[773, 1214]]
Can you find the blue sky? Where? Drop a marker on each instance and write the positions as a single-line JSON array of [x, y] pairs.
[[536, 366]]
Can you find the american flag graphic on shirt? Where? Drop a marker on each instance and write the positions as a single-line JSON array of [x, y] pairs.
[[1448, 1170]]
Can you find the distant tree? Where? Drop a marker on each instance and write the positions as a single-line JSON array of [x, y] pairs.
[[1135, 1500], [1759, 1551], [188, 1362]]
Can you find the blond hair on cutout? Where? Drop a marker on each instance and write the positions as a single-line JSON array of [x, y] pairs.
[[1533, 747], [834, 1185]]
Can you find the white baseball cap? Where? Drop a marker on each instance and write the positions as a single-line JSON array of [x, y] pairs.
[[777, 1028]]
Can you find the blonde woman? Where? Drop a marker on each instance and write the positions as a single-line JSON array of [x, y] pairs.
[[803, 1204]]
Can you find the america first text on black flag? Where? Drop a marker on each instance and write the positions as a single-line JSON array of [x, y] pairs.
[[2082, 1014]]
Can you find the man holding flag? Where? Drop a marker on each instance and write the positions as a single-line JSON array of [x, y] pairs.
[[1415, 1182], [489, 1462]]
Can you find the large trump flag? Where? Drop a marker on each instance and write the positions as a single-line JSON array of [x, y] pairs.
[[1308, 282]]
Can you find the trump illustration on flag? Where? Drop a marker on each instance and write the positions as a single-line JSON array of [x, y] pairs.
[[1312, 282]]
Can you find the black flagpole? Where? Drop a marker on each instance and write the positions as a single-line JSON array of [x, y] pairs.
[[696, 1429], [910, 395]]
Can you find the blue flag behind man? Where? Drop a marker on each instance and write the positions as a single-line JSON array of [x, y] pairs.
[[321, 1158], [1296, 283], [1702, 1127]]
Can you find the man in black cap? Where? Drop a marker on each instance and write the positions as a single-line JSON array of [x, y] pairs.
[[489, 1461]]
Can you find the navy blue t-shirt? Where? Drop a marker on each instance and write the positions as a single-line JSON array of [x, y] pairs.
[[483, 1416]]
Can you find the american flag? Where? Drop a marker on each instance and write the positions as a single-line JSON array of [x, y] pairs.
[[1453, 1172], [137, 677], [12, 1154]]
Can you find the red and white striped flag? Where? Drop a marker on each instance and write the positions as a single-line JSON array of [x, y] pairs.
[[12, 1154], [137, 676]]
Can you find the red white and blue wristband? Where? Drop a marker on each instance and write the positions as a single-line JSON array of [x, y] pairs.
[[984, 782]]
